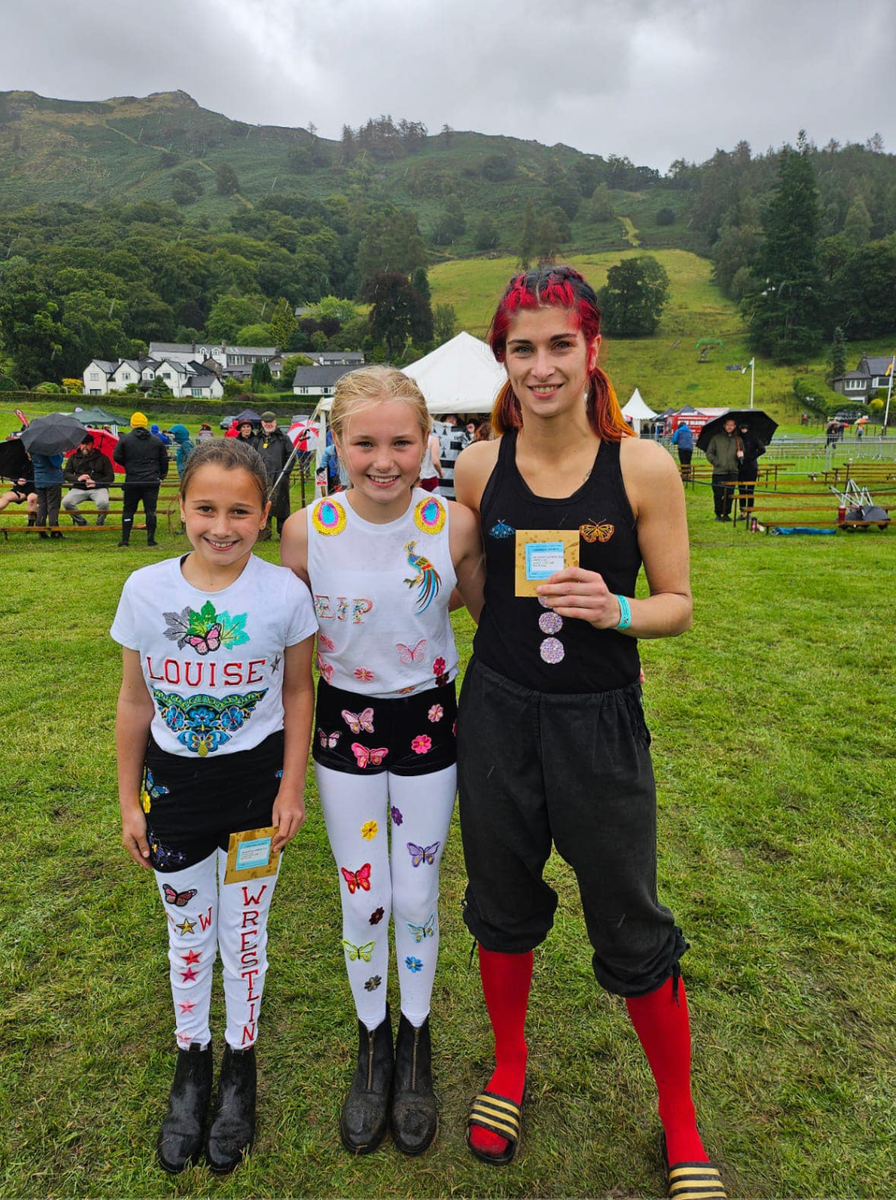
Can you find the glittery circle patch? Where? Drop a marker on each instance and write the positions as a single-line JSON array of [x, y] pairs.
[[429, 516], [550, 622], [328, 518], [551, 650], [541, 600]]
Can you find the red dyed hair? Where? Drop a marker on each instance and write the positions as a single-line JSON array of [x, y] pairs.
[[560, 287]]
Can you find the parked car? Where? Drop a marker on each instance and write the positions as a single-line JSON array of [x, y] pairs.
[[226, 422]]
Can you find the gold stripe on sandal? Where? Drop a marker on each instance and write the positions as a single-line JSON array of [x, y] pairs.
[[500, 1116]]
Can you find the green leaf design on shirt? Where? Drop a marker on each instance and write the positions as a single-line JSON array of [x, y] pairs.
[[232, 631]]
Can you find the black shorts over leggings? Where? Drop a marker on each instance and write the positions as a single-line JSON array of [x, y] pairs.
[[536, 768], [195, 804]]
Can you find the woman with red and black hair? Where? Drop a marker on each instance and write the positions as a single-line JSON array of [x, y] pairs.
[[552, 741]]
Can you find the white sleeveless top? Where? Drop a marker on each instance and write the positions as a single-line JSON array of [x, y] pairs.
[[427, 470], [381, 596]]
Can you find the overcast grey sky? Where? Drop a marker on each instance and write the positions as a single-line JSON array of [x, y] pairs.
[[651, 79]]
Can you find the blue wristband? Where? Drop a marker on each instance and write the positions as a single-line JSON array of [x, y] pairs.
[[625, 613]]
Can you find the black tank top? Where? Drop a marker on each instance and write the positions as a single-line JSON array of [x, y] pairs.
[[518, 637]]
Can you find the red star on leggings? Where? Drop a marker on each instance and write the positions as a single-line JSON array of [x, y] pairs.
[[189, 975], [192, 957], [186, 1006]]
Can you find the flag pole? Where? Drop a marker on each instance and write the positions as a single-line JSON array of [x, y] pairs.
[[891, 373]]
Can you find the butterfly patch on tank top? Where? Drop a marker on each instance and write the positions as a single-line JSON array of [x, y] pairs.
[[501, 530], [597, 531]]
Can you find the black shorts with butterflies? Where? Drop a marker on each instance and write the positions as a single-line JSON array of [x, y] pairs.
[[195, 804], [404, 735]]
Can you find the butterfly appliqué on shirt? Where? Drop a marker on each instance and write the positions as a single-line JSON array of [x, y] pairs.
[[421, 854], [358, 721], [411, 654], [501, 530], [328, 740], [202, 643]]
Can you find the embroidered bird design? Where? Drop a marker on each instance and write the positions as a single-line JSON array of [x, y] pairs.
[[426, 579]]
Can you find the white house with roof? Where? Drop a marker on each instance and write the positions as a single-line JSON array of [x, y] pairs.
[[872, 374], [225, 356]]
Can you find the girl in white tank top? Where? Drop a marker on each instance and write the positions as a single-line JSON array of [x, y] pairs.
[[382, 560]]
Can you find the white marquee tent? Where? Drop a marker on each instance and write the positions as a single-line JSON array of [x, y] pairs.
[[637, 411]]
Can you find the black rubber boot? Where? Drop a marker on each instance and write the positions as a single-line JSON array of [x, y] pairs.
[[101, 518], [233, 1120], [180, 1138], [415, 1120], [365, 1114], [77, 519]]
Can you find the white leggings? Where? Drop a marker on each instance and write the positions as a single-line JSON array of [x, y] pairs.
[[373, 885], [231, 916]]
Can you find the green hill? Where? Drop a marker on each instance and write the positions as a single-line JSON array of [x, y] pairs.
[[133, 148]]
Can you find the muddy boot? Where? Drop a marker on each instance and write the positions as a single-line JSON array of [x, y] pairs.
[[77, 519], [180, 1138], [233, 1120], [365, 1114], [101, 518], [415, 1121]]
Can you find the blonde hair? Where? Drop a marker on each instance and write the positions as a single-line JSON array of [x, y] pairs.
[[376, 385]]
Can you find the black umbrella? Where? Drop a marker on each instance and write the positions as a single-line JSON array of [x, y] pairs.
[[53, 434], [755, 419], [248, 415], [13, 459]]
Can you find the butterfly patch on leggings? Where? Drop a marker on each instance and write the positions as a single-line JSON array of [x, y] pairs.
[[365, 952], [180, 899], [328, 740], [365, 756], [421, 854], [424, 931], [358, 721], [357, 879]]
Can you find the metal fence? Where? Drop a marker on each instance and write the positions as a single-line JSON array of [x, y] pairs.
[[814, 454]]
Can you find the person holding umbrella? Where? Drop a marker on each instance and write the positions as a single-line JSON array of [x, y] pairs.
[[46, 439], [276, 451], [16, 466], [748, 470], [725, 452]]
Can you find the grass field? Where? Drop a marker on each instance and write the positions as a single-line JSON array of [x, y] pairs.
[[773, 742]]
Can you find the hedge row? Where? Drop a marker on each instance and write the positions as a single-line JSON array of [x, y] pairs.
[[123, 406]]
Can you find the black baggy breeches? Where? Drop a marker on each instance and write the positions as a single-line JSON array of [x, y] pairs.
[[538, 768]]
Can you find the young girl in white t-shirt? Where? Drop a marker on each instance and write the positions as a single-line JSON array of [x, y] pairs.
[[212, 729], [382, 560]]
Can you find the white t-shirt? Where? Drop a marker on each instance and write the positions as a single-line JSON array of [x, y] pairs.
[[381, 596], [213, 661]]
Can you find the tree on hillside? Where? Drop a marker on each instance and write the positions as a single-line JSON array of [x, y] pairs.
[[186, 187], [444, 323], [635, 294], [228, 314], [389, 241], [256, 334], [862, 292], [420, 280], [159, 387], [283, 323], [837, 355], [600, 207], [261, 375], [857, 226], [786, 316], [226, 181], [528, 236], [486, 235], [398, 312]]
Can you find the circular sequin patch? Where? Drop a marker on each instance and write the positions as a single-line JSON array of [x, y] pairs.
[[550, 622], [328, 518], [541, 600], [552, 651], [429, 516]]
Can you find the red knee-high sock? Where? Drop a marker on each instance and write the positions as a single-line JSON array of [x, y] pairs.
[[661, 1022], [506, 979]]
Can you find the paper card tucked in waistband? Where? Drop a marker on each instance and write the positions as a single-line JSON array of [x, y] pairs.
[[250, 855], [542, 552]]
